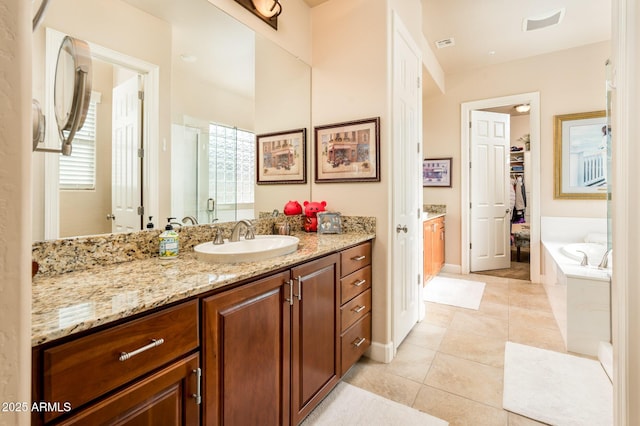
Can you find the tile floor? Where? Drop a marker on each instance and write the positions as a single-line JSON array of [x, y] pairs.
[[451, 365]]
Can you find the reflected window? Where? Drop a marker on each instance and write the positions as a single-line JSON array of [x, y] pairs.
[[232, 159], [78, 171]]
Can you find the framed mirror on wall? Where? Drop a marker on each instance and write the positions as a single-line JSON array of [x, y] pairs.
[[580, 155]]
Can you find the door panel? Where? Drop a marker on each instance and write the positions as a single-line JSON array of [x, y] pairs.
[[407, 190], [490, 209], [126, 164]]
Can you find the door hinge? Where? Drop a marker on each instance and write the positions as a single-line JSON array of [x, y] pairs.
[[141, 95], [470, 205], [469, 246], [140, 152], [419, 211], [419, 82], [419, 279], [141, 210], [469, 124], [418, 146]]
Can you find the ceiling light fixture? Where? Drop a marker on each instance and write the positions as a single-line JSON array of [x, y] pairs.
[[523, 108]]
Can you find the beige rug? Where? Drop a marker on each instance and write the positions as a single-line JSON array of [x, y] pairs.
[[556, 388], [454, 292], [351, 406]]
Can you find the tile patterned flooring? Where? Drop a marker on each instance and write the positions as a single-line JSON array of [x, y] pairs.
[[451, 365]]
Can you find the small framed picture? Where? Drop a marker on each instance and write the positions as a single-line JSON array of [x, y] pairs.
[[436, 172], [329, 223], [281, 157]]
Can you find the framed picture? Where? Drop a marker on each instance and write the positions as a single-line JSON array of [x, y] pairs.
[[281, 157], [348, 152], [580, 155], [436, 172], [329, 223]]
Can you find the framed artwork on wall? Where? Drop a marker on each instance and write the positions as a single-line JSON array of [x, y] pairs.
[[580, 155], [436, 172], [281, 157], [348, 152]]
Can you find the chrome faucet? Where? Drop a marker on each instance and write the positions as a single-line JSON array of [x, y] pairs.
[[191, 219], [248, 234], [585, 259], [217, 238], [605, 260]]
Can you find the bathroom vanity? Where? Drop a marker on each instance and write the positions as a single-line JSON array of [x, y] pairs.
[[185, 342], [433, 236]]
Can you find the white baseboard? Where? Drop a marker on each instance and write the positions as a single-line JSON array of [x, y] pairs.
[[452, 269], [380, 352]]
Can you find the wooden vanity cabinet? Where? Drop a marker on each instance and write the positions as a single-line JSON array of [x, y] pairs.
[[355, 308], [139, 370], [433, 247], [270, 347]]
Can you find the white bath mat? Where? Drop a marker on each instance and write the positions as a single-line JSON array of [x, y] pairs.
[[556, 388], [454, 292], [350, 406]]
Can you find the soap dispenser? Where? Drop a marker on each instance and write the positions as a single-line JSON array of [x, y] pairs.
[[169, 242]]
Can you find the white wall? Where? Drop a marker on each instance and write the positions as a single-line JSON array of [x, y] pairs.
[[15, 205], [568, 81]]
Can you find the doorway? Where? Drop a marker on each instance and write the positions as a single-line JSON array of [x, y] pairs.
[[532, 99]]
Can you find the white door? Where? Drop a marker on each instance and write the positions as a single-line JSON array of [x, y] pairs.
[[407, 186], [489, 191], [126, 194]]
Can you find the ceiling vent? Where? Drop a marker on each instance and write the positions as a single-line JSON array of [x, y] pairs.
[[445, 42], [549, 19]]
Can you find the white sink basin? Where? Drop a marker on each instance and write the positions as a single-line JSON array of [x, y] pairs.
[[260, 248]]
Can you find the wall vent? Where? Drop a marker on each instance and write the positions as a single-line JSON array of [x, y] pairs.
[[445, 42], [549, 19]]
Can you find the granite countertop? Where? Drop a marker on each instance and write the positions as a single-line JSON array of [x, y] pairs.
[[68, 303]]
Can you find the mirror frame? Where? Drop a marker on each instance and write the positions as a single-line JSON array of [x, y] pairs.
[[562, 157]]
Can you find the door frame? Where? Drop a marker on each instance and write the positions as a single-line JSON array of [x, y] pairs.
[[533, 99], [150, 123]]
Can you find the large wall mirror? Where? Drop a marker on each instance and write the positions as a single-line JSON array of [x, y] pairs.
[[180, 89]]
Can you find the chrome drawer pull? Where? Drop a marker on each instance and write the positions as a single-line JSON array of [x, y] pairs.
[[359, 342], [359, 258], [359, 283], [359, 309], [127, 355]]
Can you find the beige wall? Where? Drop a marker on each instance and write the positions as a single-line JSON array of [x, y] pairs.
[[350, 82], [568, 81], [15, 205]]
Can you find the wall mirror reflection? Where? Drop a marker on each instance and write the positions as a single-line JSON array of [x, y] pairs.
[[179, 92]]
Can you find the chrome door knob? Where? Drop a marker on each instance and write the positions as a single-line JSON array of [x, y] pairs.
[[401, 228]]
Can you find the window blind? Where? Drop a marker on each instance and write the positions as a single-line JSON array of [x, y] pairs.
[[78, 171]]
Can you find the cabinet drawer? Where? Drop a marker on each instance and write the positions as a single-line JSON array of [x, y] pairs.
[[354, 284], [355, 258], [81, 370], [355, 342], [355, 309]]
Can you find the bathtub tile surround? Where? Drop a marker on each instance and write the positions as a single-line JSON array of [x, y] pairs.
[[579, 295], [80, 253]]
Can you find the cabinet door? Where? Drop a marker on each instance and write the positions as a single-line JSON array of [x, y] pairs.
[[167, 397], [438, 251], [427, 229], [246, 354], [315, 334]]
